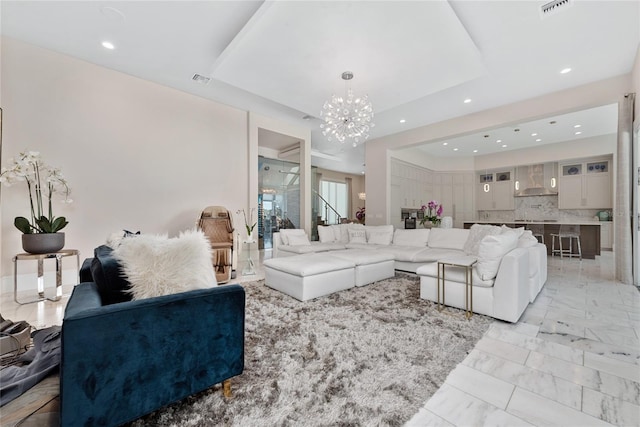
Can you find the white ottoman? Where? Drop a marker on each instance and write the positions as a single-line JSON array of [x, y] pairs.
[[309, 276], [371, 265]]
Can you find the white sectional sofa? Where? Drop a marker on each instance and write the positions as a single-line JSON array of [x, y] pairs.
[[510, 272]]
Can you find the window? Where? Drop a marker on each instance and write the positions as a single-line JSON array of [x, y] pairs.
[[335, 200]]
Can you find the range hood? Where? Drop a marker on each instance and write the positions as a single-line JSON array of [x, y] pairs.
[[536, 191], [536, 180]]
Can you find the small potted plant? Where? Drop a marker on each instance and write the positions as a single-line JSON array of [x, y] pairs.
[[432, 214], [41, 232]]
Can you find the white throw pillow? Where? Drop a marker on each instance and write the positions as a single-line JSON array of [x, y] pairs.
[[357, 236], [326, 234], [299, 240], [415, 238], [286, 232], [527, 240], [380, 238], [157, 265], [492, 249], [476, 233], [506, 229]]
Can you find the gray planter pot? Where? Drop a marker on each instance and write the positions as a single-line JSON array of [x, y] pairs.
[[42, 243]]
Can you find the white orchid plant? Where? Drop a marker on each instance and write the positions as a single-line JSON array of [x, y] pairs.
[[246, 223], [43, 181]]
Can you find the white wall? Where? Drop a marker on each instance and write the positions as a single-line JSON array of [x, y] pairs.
[[137, 155], [378, 150]]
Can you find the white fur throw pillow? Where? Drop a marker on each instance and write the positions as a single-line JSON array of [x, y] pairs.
[[157, 265]]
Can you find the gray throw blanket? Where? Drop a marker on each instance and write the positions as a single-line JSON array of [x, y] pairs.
[[42, 359]]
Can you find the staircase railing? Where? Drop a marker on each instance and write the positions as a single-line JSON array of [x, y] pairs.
[[327, 207]]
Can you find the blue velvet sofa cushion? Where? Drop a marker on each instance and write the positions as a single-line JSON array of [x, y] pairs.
[[108, 275]]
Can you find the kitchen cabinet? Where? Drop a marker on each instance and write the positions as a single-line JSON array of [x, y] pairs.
[[606, 235], [499, 196], [585, 185]]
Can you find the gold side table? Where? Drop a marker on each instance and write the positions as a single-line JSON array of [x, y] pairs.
[[466, 262], [40, 258]]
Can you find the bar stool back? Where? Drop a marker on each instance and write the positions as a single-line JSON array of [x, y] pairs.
[[569, 233]]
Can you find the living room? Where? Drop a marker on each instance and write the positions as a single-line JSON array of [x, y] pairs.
[[144, 155]]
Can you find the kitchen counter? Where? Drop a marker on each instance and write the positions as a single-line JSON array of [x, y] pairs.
[[563, 222], [589, 232]]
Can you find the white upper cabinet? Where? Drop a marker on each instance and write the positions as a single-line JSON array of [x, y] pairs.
[[585, 185]]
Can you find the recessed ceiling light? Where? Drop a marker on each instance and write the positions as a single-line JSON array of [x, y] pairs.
[[468, 100], [577, 126], [498, 140], [475, 151], [534, 134], [565, 70], [552, 122], [578, 133], [445, 143], [403, 121], [455, 149], [108, 45], [362, 172], [538, 140], [504, 145]]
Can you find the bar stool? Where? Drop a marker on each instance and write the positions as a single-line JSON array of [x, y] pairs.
[[538, 231], [569, 232]]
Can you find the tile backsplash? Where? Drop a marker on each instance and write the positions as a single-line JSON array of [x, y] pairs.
[[538, 208]]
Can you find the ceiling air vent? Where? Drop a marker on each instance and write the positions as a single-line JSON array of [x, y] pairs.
[[199, 78], [554, 7]]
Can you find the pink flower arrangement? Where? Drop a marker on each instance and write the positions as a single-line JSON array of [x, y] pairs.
[[360, 214], [432, 212]]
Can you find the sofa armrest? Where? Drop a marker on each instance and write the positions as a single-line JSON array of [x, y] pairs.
[[122, 361], [275, 242], [85, 271], [511, 288]]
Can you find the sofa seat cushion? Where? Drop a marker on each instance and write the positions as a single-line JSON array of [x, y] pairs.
[[433, 254], [363, 257], [323, 247], [454, 274], [306, 249], [352, 245], [308, 264]]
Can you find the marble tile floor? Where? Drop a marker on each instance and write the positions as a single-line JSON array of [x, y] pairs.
[[573, 359]]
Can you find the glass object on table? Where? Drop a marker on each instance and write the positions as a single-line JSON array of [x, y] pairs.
[[249, 266]]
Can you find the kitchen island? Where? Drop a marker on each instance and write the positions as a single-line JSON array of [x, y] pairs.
[[589, 233]]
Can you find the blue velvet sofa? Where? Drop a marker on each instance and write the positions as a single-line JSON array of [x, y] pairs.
[[122, 359]]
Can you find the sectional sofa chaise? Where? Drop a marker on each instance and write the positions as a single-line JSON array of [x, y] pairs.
[[510, 271]]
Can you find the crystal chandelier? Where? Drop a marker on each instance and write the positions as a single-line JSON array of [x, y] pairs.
[[347, 118]]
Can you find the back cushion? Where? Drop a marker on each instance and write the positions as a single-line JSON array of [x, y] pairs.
[[448, 238], [526, 240], [109, 277], [326, 234], [476, 233], [357, 235], [492, 250], [286, 232], [416, 238], [379, 235]]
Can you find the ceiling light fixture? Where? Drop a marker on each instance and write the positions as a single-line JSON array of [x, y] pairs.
[[455, 149], [538, 140], [445, 143], [565, 70], [498, 141], [504, 145], [347, 118], [403, 121], [577, 126], [578, 133], [534, 134], [468, 100], [475, 151], [108, 45]]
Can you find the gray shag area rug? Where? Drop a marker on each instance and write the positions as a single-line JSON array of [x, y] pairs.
[[367, 356]]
